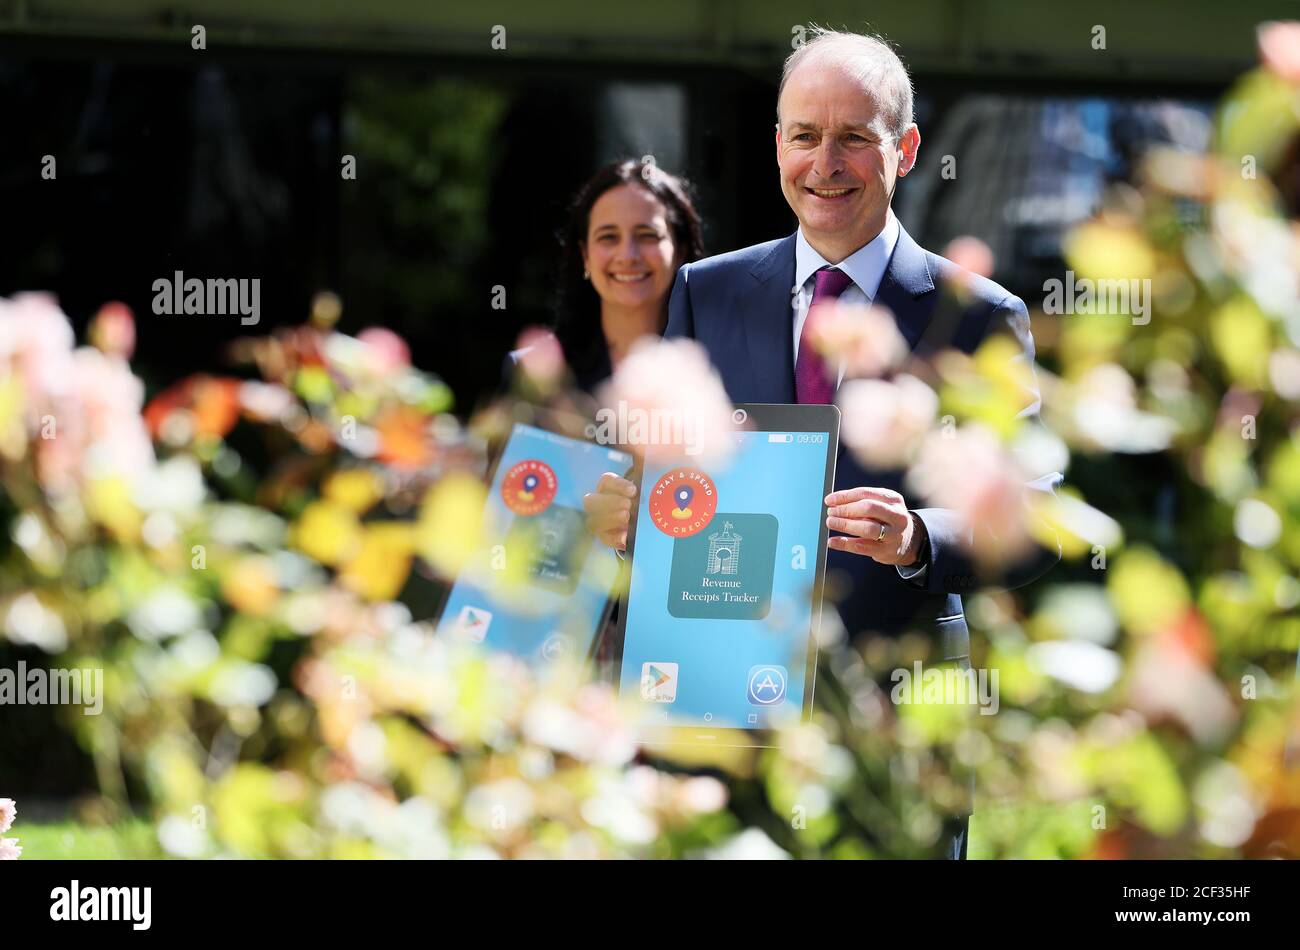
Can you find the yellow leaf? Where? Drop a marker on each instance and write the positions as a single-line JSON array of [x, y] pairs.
[[250, 586], [450, 529], [1068, 520], [382, 564], [108, 501], [1148, 592], [356, 489], [328, 532], [1102, 251], [1242, 337]]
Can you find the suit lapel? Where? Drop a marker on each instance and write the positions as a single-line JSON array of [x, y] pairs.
[[906, 278], [769, 335]]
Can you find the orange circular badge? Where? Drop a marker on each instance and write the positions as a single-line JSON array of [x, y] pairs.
[[529, 487], [683, 502]]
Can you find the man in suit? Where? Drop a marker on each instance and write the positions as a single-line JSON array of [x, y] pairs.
[[844, 137]]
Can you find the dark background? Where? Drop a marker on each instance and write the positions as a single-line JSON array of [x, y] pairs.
[[226, 163]]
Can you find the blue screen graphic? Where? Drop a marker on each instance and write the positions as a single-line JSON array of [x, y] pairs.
[[719, 613], [539, 587]]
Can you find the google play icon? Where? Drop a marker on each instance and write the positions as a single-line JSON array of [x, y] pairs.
[[472, 624], [659, 682]]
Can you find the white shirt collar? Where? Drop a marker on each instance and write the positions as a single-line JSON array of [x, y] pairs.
[[865, 266]]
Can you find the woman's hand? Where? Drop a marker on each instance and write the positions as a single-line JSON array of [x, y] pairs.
[[609, 509]]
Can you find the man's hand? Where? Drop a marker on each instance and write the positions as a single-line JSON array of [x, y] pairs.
[[609, 509], [859, 513]]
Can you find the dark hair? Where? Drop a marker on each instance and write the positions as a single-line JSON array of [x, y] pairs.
[[577, 319]]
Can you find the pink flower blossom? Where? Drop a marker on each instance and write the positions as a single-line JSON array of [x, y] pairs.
[[667, 398], [97, 426], [112, 330], [9, 849], [970, 254], [266, 402], [590, 729], [82, 406], [542, 357], [1279, 48], [36, 344], [388, 352], [969, 471], [883, 423], [8, 812], [865, 338], [1168, 682]]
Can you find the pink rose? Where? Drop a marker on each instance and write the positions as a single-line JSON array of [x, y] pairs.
[[8, 812], [1279, 48], [1168, 682], [9, 850], [542, 357], [883, 423], [388, 351], [97, 426], [865, 338], [36, 344], [666, 396], [112, 331], [969, 471], [972, 255]]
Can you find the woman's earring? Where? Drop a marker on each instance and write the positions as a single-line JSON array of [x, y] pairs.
[[586, 275]]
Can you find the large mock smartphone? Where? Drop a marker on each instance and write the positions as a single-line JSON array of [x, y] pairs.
[[719, 632], [540, 587]]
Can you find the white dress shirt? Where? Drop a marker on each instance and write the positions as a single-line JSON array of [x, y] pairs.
[[865, 267]]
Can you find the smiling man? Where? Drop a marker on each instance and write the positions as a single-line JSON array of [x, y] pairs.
[[844, 138]]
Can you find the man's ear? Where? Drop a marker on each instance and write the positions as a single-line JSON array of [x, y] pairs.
[[778, 143], [908, 145]]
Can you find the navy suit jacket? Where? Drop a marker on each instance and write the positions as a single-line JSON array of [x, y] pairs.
[[739, 307]]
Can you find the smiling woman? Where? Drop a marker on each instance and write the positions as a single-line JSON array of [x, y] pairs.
[[630, 228]]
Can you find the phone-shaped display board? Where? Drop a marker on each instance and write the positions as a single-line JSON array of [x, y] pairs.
[[719, 631], [540, 587]]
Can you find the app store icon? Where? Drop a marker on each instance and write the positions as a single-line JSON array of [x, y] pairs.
[[766, 685]]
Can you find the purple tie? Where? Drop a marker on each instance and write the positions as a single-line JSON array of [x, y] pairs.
[[813, 383]]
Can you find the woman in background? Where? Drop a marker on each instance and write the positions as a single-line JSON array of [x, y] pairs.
[[630, 228]]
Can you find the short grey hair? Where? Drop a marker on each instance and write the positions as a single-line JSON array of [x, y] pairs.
[[870, 60]]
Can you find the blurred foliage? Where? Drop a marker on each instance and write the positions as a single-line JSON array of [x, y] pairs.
[[130, 840], [247, 560], [267, 691], [416, 216]]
